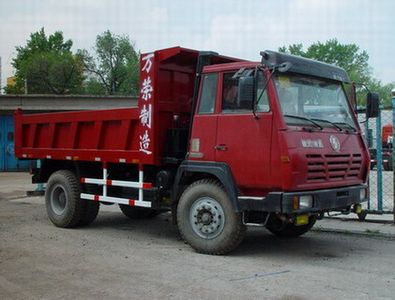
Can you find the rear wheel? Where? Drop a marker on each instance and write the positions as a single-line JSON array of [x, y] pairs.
[[280, 228], [62, 199], [206, 218], [134, 212], [89, 213]]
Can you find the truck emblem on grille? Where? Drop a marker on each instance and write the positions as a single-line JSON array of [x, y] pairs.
[[334, 143]]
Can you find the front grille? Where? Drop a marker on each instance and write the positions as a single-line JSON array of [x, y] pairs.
[[333, 167]]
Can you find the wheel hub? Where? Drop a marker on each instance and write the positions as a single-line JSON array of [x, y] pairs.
[[58, 199], [207, 218]]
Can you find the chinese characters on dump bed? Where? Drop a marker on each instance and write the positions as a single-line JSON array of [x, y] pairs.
[[145, 105]]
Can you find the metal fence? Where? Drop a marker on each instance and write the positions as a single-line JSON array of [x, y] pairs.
[[379, 137]]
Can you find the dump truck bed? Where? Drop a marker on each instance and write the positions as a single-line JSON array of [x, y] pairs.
[[138, 135], [100, 135]]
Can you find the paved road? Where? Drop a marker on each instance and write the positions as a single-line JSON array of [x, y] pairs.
[[119, 258]]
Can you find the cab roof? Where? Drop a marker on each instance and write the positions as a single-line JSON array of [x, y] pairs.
[[297, 64], [302, 65]]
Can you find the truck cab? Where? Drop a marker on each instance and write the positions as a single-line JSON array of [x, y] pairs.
[[288, 136], [284, 131]]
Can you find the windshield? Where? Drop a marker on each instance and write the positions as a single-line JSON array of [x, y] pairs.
[[305, 99]]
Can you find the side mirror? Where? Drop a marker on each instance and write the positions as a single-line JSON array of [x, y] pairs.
[[372, 105], [246, 91]]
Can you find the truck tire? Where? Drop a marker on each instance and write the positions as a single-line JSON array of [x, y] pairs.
[[362, 215], [89, 212], [62, 199], [289, 230], [134, 212], [206, 218]]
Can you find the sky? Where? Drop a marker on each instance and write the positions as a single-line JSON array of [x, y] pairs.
[[239, 28]]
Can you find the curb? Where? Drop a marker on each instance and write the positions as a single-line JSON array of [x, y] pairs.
[[366, 233]]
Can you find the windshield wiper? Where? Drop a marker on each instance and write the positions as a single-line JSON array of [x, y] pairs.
[[305, 119], [347, 125], [329, 122]]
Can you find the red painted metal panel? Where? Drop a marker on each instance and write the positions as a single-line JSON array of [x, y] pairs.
[[80, 135], [133, 135], [249, 156]]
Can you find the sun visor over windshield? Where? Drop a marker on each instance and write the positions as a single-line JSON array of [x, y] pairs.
[[305, 66]]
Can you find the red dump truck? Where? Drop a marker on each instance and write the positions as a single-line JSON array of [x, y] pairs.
[[221, 142]]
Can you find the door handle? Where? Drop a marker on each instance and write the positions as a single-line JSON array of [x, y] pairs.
[[221, 147]]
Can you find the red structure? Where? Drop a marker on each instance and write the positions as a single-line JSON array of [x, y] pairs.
[[280, 150]]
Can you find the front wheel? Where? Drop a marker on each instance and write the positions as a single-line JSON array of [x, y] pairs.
[[282, 229], [362, 215], [206, 218]]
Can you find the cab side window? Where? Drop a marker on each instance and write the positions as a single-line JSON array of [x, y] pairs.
[[230, 93], [234, 96], [208, 94]]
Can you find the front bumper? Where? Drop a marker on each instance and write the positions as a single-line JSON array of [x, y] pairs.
[[323, 200]]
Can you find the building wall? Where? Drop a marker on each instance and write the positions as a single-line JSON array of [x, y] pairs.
[[8, 161]]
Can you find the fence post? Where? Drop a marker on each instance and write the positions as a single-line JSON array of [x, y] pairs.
[[379, 157], [369, 142], [393, 152]]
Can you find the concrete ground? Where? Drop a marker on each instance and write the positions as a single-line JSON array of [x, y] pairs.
[[119, 258]]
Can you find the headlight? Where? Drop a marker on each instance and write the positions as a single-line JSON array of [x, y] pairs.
[[305, 201]]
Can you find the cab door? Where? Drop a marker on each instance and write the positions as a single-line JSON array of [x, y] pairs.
[[244, 141], [203, 137]]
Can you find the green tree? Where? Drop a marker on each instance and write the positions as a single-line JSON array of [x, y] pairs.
[[346, 56], [294, 49], [93, 87], [46, 65], [349, 57], [115, 65], [384, 91]]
